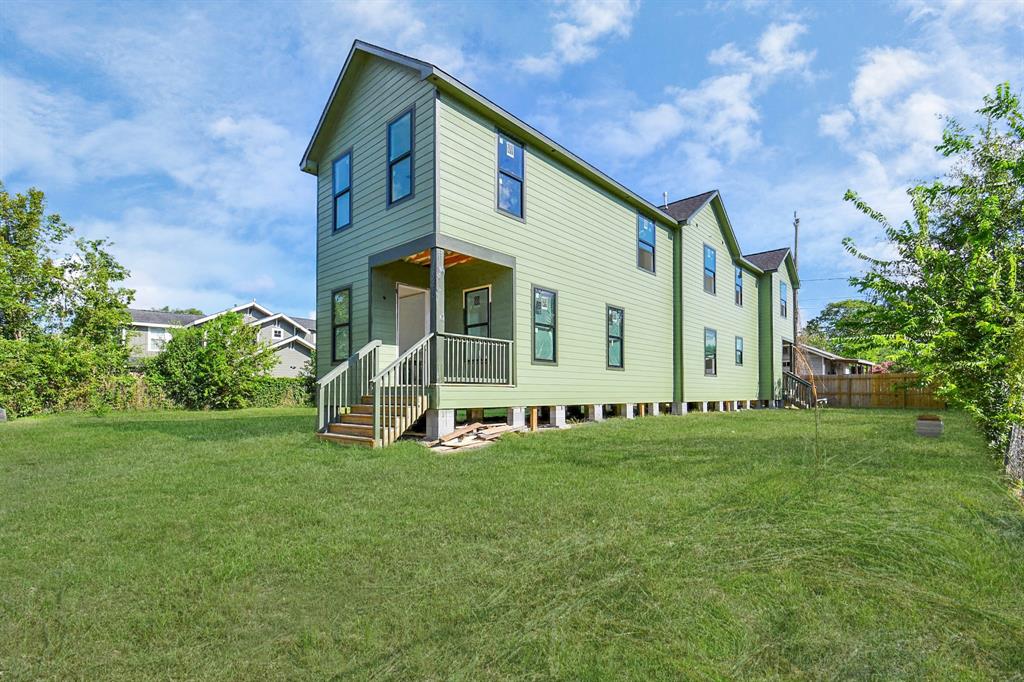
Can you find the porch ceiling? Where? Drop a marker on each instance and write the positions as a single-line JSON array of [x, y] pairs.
[[451, 258]]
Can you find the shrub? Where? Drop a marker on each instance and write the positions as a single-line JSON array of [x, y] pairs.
[[282, 392], [218, 365]]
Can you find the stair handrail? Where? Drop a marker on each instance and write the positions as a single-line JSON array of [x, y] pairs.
[[335, 388], [797, 387], [400, 390]]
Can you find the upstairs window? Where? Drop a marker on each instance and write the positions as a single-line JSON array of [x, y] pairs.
[[400, 143], [342, 179], [616, 337], [739, 285], [278, 333], [341, 318], [710, 352], [544, 334], [645, 236], [710, 268], [739, 350], [511, 176], [783, 297]]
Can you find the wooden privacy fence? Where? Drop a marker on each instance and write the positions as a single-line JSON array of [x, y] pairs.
[[875, 390]]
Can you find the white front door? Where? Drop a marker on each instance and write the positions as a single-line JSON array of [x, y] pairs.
[[412, 316]]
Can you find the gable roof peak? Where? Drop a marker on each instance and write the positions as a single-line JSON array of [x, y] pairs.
[[684, 209]]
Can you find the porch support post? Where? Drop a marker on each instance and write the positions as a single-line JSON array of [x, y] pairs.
[[516, 416], [595, 413], [436, 310], [440, 423], [557, 416], [679, 408]]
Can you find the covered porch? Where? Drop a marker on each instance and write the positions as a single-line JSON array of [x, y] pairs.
[[440, 314], [465, 301]]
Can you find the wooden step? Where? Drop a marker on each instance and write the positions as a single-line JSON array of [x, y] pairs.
[[362, 409], [344, 439], [365, 430]]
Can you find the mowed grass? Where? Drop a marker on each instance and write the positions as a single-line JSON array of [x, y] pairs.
[[234, 545]]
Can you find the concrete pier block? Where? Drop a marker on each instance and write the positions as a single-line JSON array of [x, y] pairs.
[[721, 406], [629, 410], [704, 406], [595, 413], [440, 423], [557, 416], [475, 414], [655, 409], [516, 416], [679, 408]]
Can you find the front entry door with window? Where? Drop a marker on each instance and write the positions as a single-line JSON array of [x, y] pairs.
[[412, 316], [476, 304]]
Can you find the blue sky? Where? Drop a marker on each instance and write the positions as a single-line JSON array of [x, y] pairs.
[[175, 129]]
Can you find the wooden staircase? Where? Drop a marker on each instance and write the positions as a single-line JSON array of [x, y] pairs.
[[355, 426]]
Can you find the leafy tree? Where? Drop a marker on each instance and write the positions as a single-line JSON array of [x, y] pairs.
[[41, 294], [952, 300], [848, 328], [31, 277], [180, 311], [217, 365]]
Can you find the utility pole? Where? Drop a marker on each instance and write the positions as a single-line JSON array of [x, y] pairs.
[[796, 266]]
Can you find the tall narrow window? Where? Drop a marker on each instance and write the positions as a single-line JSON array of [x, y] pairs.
[[645, 240], [400, 143], [783, 299], [739, 285], [710, 268], [544, 335], [341, 319], [710, 352], [739, 350], [477, 311], [511, 176], [616, 337], [342, 180]]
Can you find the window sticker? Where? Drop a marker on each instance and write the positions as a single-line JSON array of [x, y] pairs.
[[510, 150]]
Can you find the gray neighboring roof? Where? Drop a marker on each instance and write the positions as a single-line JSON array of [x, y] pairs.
[[683, 209], [305, 322], [160, 317], [768, 260]]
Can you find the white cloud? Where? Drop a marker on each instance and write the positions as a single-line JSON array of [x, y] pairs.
[[720, 113], [581, 25]]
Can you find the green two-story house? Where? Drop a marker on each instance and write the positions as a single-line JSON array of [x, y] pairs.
[[467, 261]]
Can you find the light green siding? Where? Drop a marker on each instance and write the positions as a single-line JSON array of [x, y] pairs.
[[782, 326], [577, 240], [380, 91], [719, 312]]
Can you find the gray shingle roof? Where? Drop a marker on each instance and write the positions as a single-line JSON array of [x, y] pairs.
[[159, 317], [683, 209], [768, 260], [305, 322]]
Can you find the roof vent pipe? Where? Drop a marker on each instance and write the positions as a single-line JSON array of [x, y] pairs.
[[664, 196]]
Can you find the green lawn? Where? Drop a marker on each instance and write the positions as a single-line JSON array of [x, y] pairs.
[[234, 545]]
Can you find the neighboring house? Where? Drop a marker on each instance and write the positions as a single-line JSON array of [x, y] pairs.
[[292, 338], [821, 361], [466, 261]]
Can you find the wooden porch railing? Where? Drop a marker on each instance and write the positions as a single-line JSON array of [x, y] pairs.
[[797, 391], [401, 392], [346, 384], [475, 360]]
